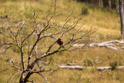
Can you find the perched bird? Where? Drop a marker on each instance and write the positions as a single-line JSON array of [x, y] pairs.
[[60, 42]]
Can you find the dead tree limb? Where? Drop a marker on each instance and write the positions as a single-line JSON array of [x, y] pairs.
[[102, 68]]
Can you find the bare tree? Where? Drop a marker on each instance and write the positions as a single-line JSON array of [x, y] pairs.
[[34, 41]]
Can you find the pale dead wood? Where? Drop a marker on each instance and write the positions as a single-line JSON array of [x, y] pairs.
[[107, 44], [82, 67]]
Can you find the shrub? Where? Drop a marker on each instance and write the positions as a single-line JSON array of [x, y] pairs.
[[84, 11], [88, 62], [114, 65]]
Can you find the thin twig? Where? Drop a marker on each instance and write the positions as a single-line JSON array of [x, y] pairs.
[[43, 77]]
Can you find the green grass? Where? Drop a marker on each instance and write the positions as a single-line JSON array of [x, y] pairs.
[[106, 20]]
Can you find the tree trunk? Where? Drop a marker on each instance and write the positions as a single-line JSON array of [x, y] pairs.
[[110, 4], [121, 16], [21, 80], [25, 79]]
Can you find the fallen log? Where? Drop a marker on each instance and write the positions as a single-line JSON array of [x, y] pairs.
[[81, 67], [107, 44], [71, 67]]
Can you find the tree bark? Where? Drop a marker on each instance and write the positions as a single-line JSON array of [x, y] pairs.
[[110, 4], [25, 79], [121, 16]]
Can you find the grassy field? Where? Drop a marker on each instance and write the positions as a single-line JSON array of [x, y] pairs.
[[105, 20]]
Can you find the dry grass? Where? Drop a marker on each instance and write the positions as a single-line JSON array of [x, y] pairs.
[[107, 22]]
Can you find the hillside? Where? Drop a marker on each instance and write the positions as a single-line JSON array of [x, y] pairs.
[[92, 16]]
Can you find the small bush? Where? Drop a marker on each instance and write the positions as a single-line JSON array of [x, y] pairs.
[[114, 65], [88, 62], [84, 11]]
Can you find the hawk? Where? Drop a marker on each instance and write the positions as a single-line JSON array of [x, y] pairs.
[[60, 42]]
